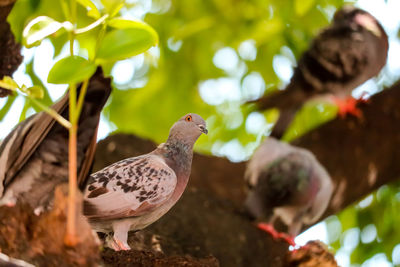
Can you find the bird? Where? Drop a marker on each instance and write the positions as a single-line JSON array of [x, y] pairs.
[[135, 192], [34, 155], [344, 55], [289, 183]]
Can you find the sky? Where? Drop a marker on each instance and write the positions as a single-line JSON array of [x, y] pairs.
[[216, 91]]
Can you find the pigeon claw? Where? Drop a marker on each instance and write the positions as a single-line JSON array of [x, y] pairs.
[[275, 234], [117, 244], [349, 106], [121, 245]]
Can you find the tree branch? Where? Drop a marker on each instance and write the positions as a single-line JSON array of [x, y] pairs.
[[10, 57]]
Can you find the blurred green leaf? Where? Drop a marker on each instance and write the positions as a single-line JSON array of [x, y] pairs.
[[35, 91], [8, 83], [302, 6], [41, 27], [113, 6], [37, 81], [127, 42], [72, 69], [6, 107], [23, 88], [27, 105], [312, 115], [92, 9]]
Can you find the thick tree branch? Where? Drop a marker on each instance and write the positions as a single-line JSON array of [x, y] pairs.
[[10, 56]]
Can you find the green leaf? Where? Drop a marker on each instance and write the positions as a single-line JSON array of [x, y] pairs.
[[91, 7], [120, 23], [35, 91], [129, 39], [302, 6], [116, 9], [6, 107], [41, 27], [23, 88], [113, 6], [72, 69], [8, 83]]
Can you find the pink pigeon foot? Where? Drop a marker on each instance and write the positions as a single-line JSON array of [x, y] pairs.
[[275, 234], [121, 245], [349, 106], [116, 244]]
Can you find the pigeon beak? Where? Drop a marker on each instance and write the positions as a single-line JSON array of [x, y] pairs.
[[203, 129]]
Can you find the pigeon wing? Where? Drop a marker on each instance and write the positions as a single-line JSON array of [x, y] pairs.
[[340, 55], [129, 188], [20, 144]]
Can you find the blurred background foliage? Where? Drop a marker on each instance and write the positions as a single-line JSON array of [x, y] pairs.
[[212, 57]]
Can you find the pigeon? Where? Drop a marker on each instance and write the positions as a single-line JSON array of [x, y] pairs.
[[349, 52], [34, 156], [289, 183], [135, 192]]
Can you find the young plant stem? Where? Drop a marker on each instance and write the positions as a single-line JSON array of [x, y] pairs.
[[81, 98], [52, 113], [71, 238]]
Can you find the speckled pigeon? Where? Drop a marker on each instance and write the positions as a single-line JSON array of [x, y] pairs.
[[34, 156], [350, 51], [135, 192], [286, 182]]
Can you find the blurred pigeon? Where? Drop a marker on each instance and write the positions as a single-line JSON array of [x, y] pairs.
[[350, 51], [34, 156], [286, 182], [135, 192]]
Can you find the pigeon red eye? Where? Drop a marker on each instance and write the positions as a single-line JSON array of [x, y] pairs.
[[188, 118]]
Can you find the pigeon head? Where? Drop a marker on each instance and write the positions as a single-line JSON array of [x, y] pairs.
[[187, 129], [356, 17]]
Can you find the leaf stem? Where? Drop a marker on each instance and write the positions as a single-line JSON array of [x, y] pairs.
[[51, 112], [99, 40], [91, 26], [82, 95]]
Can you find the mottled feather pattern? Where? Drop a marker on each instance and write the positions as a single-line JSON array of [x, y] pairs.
[[285, 177], [345, 55], [124, 186], [287, 182]]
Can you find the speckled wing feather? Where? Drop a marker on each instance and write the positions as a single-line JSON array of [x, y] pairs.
[[129, 188]]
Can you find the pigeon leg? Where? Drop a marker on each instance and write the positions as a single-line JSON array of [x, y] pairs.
[[269, 228], [121, 229], [110, 242]]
